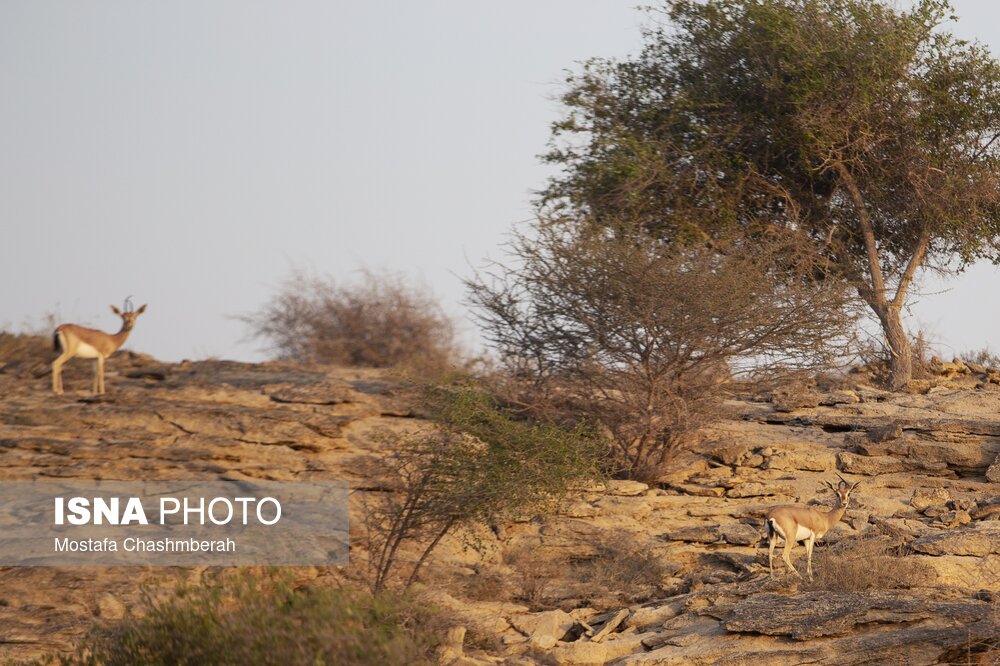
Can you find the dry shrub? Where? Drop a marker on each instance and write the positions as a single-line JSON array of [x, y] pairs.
[[874, 563], [382, 321], [609, 324], [18, 349], [623, 569], [534, 575], [488, 585]]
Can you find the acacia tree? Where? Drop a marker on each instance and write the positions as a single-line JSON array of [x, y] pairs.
[[867, 131]]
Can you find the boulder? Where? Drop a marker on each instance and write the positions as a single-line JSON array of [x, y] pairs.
[[875, 465], [993, 472], [927, 497], [885, 433], [580, 653], [811, 615], [544, 629], [740, 534], [625, 487], [813, 460], [953, 519], [977, 542]]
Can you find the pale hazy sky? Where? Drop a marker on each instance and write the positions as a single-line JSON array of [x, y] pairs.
[[192, 152]]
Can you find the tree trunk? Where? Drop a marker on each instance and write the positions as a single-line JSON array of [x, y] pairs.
[[900, 356]]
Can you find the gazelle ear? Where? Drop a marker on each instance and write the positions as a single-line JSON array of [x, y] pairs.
[[830, 486], [141, 310], [855, 485], [116, 311]]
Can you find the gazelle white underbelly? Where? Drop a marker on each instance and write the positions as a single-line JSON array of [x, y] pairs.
[[86, 351], [801, 533]]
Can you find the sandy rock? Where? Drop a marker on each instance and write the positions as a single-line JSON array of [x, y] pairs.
[[815, 460], [927, 497], [580, 509], [809, 615], [698, 490], [980, 541], [840, 397], [451, 649], [649, 616], [739, 534], [626, 488], [695, 534], [544, 629], [733, 454], [993, 472], [886, 432], [755, 489], [580, 653], [792, 398], [953, 519], [875, 465]]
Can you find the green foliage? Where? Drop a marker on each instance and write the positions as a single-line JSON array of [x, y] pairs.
[[477, 465], [254, 621], [864, 129]]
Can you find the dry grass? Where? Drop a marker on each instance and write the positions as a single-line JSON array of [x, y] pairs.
[[621, 570], [877, 563], [534, 577]]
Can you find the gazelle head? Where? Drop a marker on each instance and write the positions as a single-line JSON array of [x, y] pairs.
[[843, 489], [129, 314]]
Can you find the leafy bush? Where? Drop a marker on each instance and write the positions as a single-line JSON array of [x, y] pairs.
[[382, 321], [477, 465], [253, 621]]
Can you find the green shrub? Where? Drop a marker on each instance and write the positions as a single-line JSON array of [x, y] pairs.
[[264, 622], [478, 465]]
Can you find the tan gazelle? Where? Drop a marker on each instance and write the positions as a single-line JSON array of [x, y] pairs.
[[805, 524], [73, 340]]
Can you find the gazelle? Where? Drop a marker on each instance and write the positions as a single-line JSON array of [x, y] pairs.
[[73, 340], [799, 523]]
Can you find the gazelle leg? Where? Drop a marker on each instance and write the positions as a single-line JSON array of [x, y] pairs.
[[787, 557], [99, 379], [57, 384], [771, 543], [810, 542]]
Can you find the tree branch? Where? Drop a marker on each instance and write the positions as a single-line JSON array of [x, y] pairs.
[[867, 233], [916, 259]]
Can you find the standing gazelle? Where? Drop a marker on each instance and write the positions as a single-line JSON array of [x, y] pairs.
[[799, 523], [73, 340]]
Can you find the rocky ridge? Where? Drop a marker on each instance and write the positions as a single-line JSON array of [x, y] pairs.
[[927, 463]]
